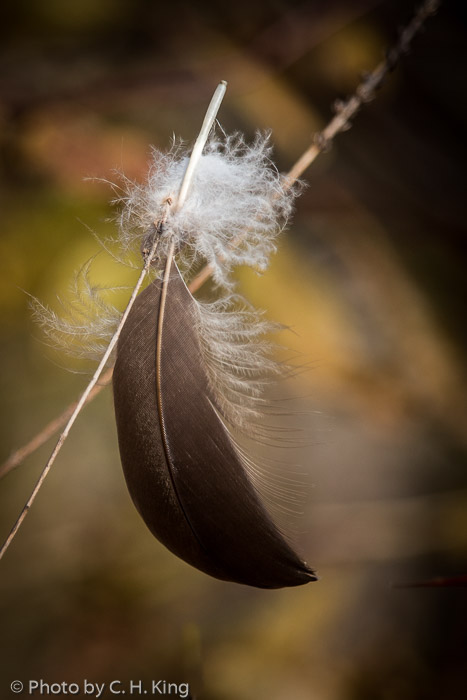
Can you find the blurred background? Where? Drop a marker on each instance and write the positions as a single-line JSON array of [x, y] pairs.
[[370, 277]]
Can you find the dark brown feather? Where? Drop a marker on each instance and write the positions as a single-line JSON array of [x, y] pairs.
[[181, 466]]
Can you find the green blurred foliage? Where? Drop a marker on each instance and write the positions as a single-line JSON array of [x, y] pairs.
[[370, 278]]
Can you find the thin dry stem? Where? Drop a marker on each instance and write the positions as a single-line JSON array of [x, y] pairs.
[[365, 92], [84, 398]]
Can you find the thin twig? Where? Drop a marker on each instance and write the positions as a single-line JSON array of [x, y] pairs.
[[345, 111], [184, 186], [51, 428], [365, 92]]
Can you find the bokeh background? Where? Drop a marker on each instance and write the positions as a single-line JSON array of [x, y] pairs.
[[370, 277]]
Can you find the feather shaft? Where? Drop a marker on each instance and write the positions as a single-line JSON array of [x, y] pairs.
[[200, 142]]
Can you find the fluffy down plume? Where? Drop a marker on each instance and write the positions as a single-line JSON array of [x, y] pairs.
[[236, 206], [86, 322]]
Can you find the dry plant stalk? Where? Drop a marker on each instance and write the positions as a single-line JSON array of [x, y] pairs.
[[345, 111], [205, 129]]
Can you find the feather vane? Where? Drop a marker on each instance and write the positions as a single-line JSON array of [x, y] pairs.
[[182, 468]]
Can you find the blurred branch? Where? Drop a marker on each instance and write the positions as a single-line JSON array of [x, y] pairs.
[[345, 112]]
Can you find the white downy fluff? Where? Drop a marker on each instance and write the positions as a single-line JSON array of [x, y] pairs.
[[86, 322], [236, 206]]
